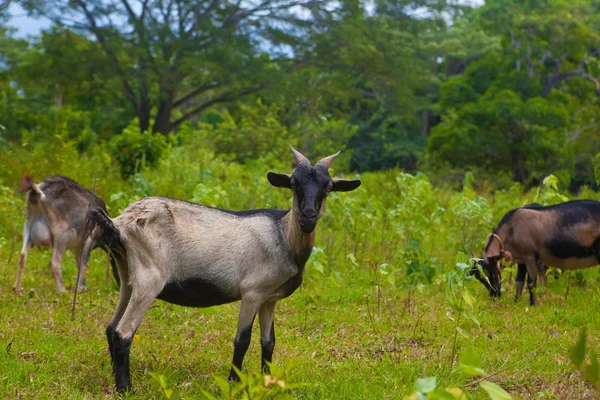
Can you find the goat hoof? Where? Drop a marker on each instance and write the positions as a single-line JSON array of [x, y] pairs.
[[233, 377], [82, 288], [127, 388], [18, 291]]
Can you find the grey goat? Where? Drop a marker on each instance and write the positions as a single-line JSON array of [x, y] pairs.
[[197, 256], [57, 211]]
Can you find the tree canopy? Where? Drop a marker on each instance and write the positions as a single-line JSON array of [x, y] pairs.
[[508, 89]]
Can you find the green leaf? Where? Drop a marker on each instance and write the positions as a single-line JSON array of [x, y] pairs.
[[577, 352], [463, 266], [116, 196], [426, 385], [592, 371], [441, 395], [470, 370], [463, 332], [318, 266], [468, 298], [223, 385], [472, 317], [470, 357], [208, 395], [494, 391]]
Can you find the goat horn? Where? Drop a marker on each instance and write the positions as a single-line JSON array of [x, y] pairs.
[[326, 162], [300, 159]]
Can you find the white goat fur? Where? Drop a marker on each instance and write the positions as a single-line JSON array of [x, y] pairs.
[[194, 255]]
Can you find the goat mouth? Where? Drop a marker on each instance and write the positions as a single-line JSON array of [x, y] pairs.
[[308, 227]]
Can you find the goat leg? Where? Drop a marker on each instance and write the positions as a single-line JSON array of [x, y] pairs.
[[55, 264], [267, 334], [82, 264], [18, 286], [520, 281], [248, 310], [140, 301], [532, 270]]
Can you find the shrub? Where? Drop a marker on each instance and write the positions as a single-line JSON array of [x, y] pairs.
[[136, 150]]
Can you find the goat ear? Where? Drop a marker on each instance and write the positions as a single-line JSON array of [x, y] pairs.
[[280, 180], [343, 185]]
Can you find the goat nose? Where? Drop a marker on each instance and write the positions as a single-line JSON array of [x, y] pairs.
[[309, 214]]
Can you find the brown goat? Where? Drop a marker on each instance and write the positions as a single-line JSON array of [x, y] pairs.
[[565, 236], [56, 217]]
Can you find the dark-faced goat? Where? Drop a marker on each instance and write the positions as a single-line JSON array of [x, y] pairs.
[[57, 211], [565, 236], [197, 256]]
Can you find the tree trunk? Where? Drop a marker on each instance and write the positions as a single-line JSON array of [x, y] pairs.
[[143, 110], [143, 114], [425, 122], [520, 172], [162, 123], [58, 96]]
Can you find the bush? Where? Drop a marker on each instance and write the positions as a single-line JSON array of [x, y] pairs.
[[136, 150]]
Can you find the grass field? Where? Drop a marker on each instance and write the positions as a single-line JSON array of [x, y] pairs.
[[344, 345], [371, 317]]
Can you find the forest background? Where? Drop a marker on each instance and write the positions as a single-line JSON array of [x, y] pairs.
[[505, 89]]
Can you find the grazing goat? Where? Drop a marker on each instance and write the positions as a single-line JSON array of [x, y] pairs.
[[57, 211], [565, 236], [197, 256]]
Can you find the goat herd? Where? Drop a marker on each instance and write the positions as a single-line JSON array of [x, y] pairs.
[[198, 256]]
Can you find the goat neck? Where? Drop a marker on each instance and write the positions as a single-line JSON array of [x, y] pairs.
[[300, 242]]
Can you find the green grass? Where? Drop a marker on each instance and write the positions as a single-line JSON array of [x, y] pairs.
[[348, 345], [345, 346]]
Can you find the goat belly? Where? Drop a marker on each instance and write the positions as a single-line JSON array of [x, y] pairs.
[[562, 247], [566, 253], [195, 292], [40, 232]]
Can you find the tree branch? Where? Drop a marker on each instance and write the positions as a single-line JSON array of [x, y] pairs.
[[112, 56], [532, 65], [556, 77], [229, 96], [197, 92], [201, 15], [141, 33]]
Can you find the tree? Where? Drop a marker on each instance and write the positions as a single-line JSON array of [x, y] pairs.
[[504, 133], [553, 41], [176, 58], [524, 106], [59, 76]]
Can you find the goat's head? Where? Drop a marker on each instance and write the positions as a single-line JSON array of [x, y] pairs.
[[493, 275], [311, 185], [493, 253]]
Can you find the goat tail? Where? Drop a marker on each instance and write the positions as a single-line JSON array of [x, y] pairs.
[[109, 235], [100, 226], [31, 188]]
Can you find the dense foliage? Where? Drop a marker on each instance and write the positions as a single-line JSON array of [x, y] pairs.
[[507, 90]]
